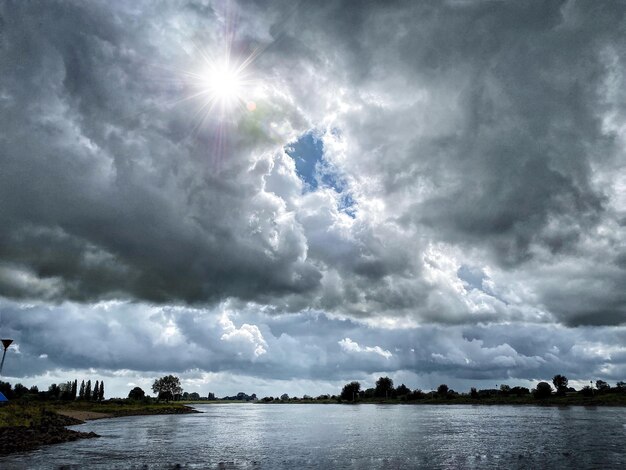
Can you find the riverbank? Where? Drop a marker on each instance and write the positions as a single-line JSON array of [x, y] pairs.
[[27, 426], [45, 428], [609, 400]]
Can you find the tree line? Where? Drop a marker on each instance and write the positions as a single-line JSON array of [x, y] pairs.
[[67, 391], [384, 389], [169, 388]]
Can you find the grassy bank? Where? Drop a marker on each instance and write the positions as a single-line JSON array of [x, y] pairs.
[[31, 414], [117, 408], [25, 425]]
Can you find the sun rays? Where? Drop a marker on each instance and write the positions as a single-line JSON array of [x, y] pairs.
[[224, 88]]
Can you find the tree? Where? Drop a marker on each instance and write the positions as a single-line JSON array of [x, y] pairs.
[[505, 390], [74, 387], [560, 383], [384, 387], [369, 393], [602, 386], [442, 390], [19, 390], [350, 392], [284, 397], [519, 391], [81, 394], [586, 391], [66, 391], [543, 390], [34, 390], [101, 392], [54, 391], [6, 389], [473, 392], [87, 395], [621, 386], [403, 390], [167, 387], [136, 393], [96, 391]]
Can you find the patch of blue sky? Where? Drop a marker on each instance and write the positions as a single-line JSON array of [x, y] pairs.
[[307, 152], [308, 155], [348, 205]]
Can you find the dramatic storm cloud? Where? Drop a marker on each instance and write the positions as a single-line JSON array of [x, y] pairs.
[[293, 195]]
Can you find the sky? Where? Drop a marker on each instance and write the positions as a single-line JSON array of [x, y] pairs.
[[280, 197]]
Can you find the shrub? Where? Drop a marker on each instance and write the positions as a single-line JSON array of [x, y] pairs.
[[586, 391], [543, 390]]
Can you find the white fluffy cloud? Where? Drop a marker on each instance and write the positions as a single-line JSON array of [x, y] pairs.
[[353, 347], [246, 336]]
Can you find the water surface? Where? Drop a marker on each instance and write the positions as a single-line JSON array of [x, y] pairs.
[[278, 436]]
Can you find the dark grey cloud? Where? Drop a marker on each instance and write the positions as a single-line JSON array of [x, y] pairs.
[[101, 191], [482, 144]]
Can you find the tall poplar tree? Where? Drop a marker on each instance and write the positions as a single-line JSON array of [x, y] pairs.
[[81, 394], [101, 395], [88, 390], [96, 392]]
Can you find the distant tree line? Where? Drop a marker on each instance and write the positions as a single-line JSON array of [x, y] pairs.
[[169, 388], [384, 389], [67, 391]]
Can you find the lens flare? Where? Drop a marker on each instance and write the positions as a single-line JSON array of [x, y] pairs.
[[224, 85]]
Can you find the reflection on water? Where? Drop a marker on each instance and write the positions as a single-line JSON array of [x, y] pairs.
[[349, 437]]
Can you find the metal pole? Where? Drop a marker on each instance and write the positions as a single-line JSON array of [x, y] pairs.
[[6, 343], [2, 363]]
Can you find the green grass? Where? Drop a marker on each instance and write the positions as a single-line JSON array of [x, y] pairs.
[[209, 402], [23, 413], [119, 408]]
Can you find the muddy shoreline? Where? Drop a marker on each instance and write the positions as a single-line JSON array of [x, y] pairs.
[[14, 439], [53, 430]]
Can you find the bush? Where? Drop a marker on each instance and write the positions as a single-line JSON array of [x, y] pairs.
[[586, 391], [136, 393], [543, 390], [601, 385], [519, 391]]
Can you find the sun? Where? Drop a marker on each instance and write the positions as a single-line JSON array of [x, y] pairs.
[[224, 87], [224, 84]]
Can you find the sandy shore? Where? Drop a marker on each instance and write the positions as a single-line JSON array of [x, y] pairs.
[[84, 415]]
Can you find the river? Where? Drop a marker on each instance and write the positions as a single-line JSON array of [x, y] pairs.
[[292, 436]]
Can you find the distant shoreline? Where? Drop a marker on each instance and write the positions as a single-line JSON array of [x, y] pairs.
[[448, 403], [609, 400]]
